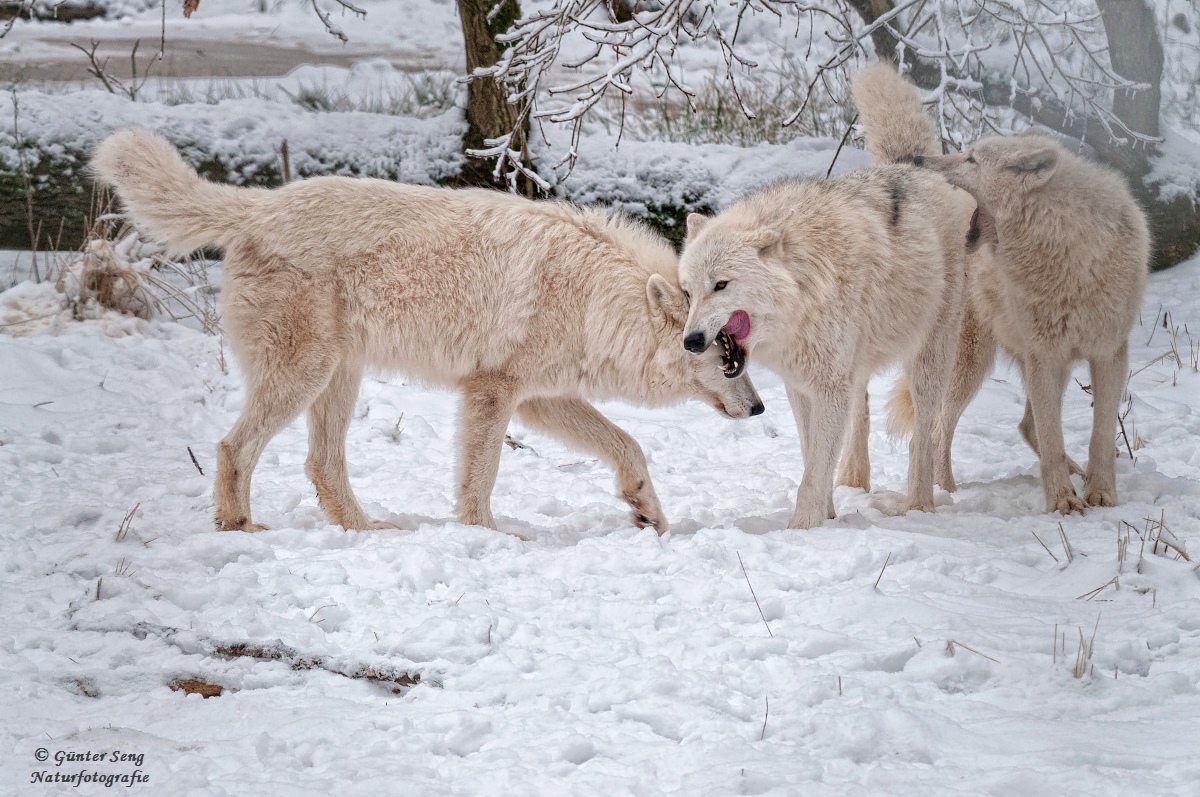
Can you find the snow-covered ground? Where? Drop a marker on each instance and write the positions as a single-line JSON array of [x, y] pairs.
[[881, 653]]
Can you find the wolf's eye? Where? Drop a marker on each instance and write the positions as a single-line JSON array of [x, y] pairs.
[[970, 159], [720, 286]]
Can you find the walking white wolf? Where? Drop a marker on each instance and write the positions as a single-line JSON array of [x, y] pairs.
[[532, 308], [827, 281], [1065, 285]]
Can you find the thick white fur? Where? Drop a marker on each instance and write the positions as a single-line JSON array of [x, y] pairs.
[[841, 278], [532, 308], [1065, 284]]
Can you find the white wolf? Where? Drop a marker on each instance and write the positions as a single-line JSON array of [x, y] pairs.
[[1065, 285], [827, 281], [525, 307]]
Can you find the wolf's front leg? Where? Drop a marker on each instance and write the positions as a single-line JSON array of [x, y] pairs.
[[822, 439], [1045, 382], [488, 401], [579, 425]]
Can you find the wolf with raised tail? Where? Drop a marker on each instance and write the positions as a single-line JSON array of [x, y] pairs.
[[826, 282], [526, 308], [1064, 284]]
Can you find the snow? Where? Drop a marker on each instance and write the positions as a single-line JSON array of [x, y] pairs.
[[907, 654], [595, 658]]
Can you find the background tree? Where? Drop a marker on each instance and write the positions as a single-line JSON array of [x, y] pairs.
[[1089, 69]]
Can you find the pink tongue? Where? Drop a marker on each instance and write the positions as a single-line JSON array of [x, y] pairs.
[[738, 325]]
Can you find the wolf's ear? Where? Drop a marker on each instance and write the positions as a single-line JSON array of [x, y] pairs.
[[1034, 165], [695, 223], [767, 240], [666, 299]]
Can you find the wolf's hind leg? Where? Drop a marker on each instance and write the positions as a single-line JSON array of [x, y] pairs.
[[276, 393], [973, 360], [855, 467], [328, 420], [581, 426], [1108, 385], [488, 402]]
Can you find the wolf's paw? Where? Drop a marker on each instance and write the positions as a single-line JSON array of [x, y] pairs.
[[919, 506], [855, 474], [646, 511], [810, 517], [1100, 496], [373, 525], [945, 480], [241, 524], [1065, 504]]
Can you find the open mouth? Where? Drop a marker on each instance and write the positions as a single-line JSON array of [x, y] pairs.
[[733, 354]]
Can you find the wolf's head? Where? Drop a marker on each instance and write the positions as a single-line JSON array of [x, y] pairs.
[[709, 377], [723, 271], [999, 170]]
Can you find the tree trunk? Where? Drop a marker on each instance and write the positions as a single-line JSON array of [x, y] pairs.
[[489, 114], [1136, 54]]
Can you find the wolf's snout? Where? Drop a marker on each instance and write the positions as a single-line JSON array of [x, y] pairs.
[[757, 409], [918, 160], [695, 342]]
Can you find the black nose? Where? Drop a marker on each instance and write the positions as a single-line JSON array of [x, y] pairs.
[[918, 160], [695, 342], [757, 409]]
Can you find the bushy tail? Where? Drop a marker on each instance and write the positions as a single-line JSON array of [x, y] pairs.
[[901, 418], [164, 197], [889, 108]]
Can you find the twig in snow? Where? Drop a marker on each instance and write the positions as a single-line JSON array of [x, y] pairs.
[[756, 603], [766, 713], [885, 564], [194, 462]]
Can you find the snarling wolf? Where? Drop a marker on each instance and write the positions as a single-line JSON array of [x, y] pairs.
[[826, 282], [1065, 284], [532, 308]]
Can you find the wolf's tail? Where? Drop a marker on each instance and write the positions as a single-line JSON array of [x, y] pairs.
[[165, 198], [901, 417], [896, 126]]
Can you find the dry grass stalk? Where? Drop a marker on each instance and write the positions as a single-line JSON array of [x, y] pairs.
[[194, 686], [1112, 582], [1066, 544], [1083, 656], [885, 564], [1039, 539], [952, 643], [766, 713], [99, 581], [194, 462], [126, 524], [756, 603], [1164, 536]]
